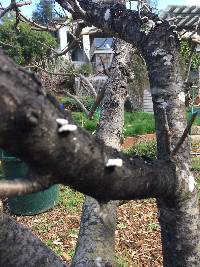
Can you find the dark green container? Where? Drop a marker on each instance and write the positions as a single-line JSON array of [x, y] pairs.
[[30, 204]]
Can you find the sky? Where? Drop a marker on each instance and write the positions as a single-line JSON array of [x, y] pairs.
[[162, 4]]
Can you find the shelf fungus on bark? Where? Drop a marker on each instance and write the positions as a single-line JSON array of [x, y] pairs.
[[62, 122], [65, 126], [159, 22], [191, 183], [114, 163]]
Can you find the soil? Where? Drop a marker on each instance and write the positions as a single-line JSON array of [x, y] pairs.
[[130, 141]]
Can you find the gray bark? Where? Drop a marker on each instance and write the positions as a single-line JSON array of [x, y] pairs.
[[169, 179], [28, 130], [179, 214], [96, 243]]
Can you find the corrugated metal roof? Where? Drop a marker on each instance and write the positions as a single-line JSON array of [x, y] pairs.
[[186, 17]]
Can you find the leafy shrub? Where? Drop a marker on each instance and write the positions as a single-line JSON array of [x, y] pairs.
[[147, 149], [86, 69], [23, 44]]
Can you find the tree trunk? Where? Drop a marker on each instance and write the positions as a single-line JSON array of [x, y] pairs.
[[96, 243], [178, 216]]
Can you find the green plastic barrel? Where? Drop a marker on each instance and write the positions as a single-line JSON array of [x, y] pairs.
[[30, 204]]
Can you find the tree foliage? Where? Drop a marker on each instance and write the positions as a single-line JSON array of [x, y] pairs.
[[185, 52], [24, 45], [44, 12]]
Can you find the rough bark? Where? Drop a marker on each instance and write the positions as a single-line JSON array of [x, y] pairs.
[[19, 247], [96, 243], [179, 215], [28, 130], [174, 187]]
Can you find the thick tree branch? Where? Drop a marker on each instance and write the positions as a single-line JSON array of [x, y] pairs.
[[30, 130], [19, 247], [117, 20]]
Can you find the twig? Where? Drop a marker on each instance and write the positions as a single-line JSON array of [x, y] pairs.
[[19, 187], [185, 133], [79, 103], [82, 77], [6, 44], [97, 102], [167, 133], [47, 71], [38, 26], [106, 72], [14, 5], [74, 42], [78, 8]]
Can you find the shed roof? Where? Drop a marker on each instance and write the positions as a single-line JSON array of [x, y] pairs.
[[186, 17]]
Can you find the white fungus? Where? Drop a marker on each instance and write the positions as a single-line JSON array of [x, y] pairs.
[[62, 121], [181, 97], [67, 128], [191, 183], [114, 163]]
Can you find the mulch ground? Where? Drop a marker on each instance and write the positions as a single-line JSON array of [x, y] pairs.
[[137, 233]]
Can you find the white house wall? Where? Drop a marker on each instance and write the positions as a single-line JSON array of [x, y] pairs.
[[63, 37], [86, 46]]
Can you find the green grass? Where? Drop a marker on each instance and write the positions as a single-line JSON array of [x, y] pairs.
[[197, 120], [196, 163], [136, 123], [70, 199], [82, 120], [147, 149]]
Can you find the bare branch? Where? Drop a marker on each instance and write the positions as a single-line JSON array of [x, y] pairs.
[[38, 27], [88, 83], [5, 44], [73, 43], [106, 72], [47, 71], [14, 5], [79, 103], [97, 102], [185, 133], [19, 187]]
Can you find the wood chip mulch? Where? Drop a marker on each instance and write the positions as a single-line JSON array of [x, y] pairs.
[[137, 232]]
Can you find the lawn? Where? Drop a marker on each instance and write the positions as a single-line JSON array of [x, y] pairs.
[[136, 123]]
